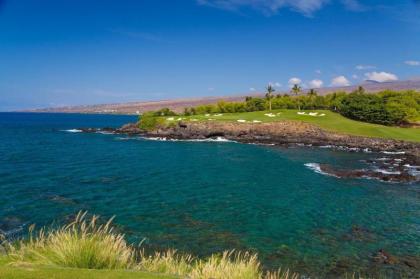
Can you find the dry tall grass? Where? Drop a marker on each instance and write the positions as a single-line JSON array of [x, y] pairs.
[[82, 244], [169, 262], [86, 244], [230, 265]]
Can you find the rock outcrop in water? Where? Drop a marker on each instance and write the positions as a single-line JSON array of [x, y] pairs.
[[281, 132]]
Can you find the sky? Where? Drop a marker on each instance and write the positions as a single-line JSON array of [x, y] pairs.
[[72, 52]]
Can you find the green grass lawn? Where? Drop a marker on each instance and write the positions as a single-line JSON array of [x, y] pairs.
[[8, 272], [331, 121], [41, 272]]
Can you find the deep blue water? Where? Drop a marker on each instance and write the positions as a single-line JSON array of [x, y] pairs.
[[204, 197]]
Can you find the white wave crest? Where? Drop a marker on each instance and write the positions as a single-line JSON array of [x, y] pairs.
[[72, 131], [393, 152], [217, 139], [387, 171], [317, 168]]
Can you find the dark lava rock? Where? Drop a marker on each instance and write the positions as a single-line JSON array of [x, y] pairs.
[[130, 128], [358, 233], [412, 262], [384, 257]]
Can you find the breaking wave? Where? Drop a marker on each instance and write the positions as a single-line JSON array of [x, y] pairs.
[[72, 131], [317, 168]]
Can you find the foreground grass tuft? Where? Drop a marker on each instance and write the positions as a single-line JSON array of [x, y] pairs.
[[81, 244], [168, 262], [229, 265], [86, 245]]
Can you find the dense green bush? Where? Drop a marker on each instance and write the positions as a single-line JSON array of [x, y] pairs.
[[388, 107], [164, 112], [149, 121]]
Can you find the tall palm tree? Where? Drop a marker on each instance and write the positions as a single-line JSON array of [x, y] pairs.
[[269, 95], [360, 90], [296, 90], [312, 93]]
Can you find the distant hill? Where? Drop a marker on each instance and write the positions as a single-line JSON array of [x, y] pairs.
[[179, 104]]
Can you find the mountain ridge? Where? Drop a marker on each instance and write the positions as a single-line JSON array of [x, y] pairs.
[[138, 107]]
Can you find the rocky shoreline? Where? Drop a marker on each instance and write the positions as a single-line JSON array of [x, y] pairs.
[[400, 165]]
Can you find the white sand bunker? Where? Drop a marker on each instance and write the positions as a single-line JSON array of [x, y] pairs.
[[310, 113], [270, 114], [241, 120], [256, 121], [194, 119], [218, 114], [211, 119], [170, 119], [207, 114]]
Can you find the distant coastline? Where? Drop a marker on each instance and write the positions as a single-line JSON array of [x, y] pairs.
[[178, 105]]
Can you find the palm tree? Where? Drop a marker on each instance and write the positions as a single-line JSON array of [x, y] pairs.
[[360, 90], [296, 90], [312, 93], [269, 95]]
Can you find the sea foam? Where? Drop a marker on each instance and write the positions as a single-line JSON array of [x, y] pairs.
[[73, 131]]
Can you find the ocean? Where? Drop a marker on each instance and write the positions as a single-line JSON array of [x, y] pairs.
[[203, 197]]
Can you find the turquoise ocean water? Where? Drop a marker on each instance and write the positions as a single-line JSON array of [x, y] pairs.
[[205, 197]]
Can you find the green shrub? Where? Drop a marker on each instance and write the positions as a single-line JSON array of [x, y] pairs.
[[148, 122], [164, 112], [388, 107]]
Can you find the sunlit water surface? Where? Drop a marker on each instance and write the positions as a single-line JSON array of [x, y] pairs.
[[205, 197]]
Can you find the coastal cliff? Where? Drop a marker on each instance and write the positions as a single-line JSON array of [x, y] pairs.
[[280, 133]]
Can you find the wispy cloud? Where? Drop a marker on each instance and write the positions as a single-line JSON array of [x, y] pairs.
[[294, 80], [354, 5], [381, 76], [316, 83], [137, 35], [365, 67], [275, 84], [412, 62], [340, 81], [268, 7]]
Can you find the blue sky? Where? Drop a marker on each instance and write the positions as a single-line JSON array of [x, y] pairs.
[[69, 52]]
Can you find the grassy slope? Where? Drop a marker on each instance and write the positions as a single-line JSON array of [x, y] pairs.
[[331, 121], [36, 272], [7, 272]]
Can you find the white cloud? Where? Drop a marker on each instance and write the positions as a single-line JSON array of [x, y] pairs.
[[294, 80], [340, 81], [318, 72], [365, 67], [275, 84], [354, 76], [412, 63], [316, 83], [381, 76], [268, 7], [252, 89]]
